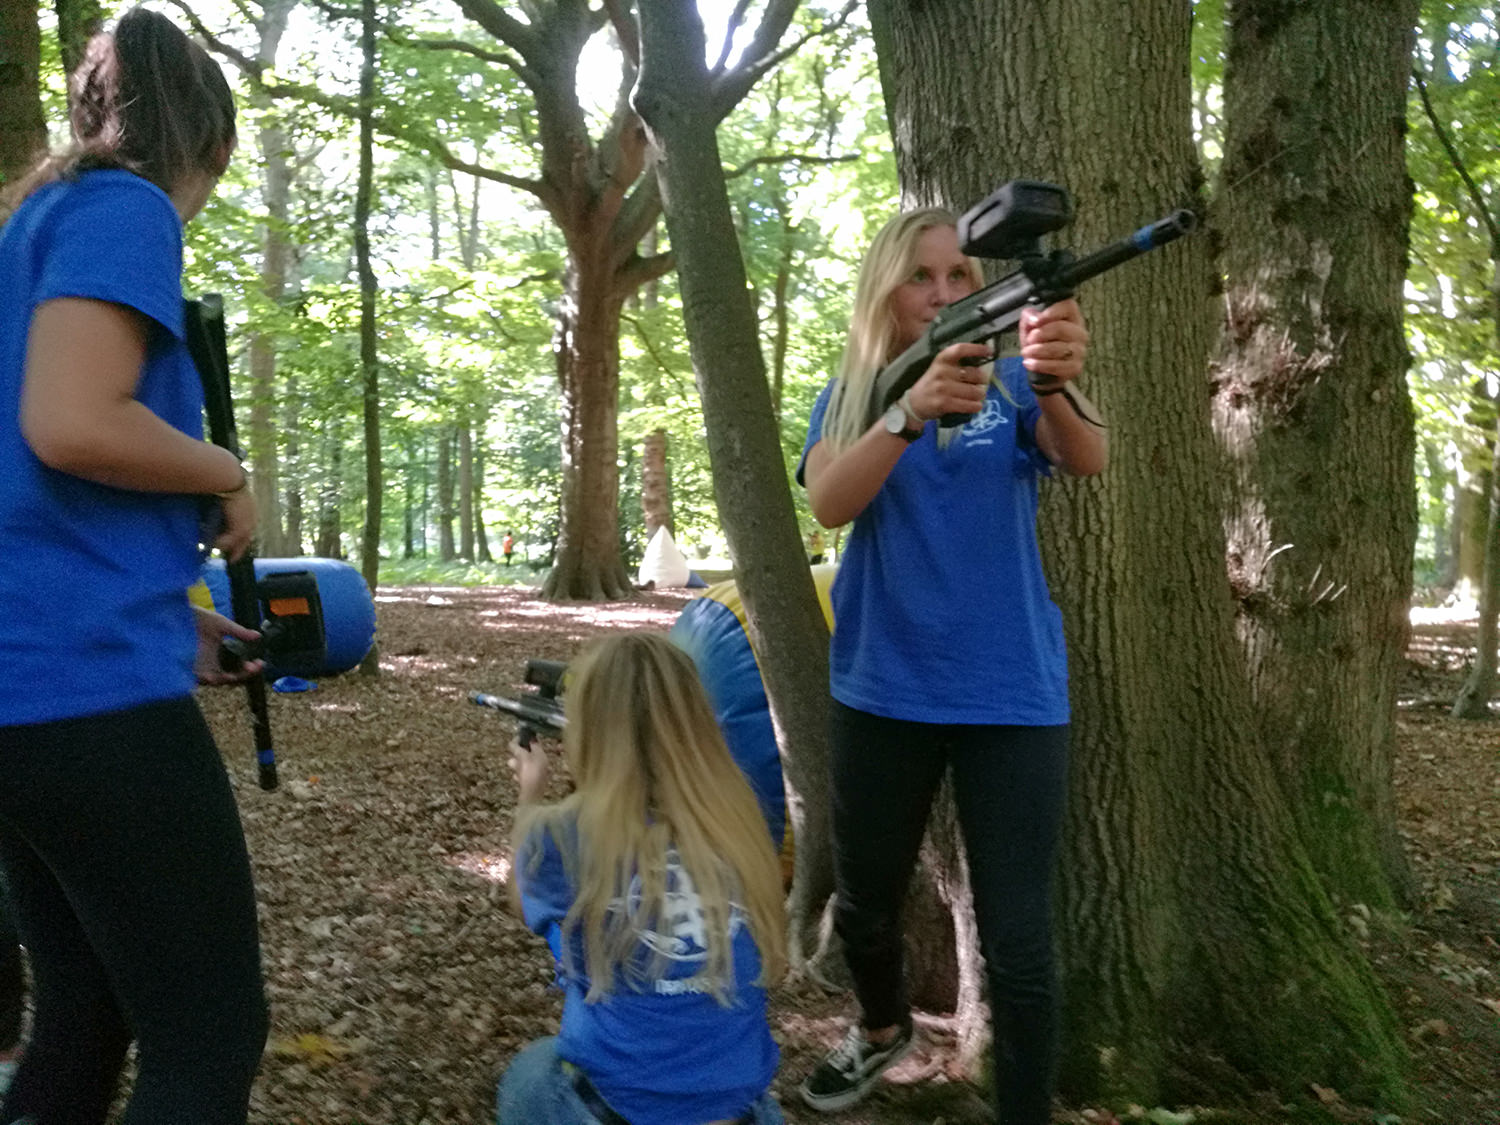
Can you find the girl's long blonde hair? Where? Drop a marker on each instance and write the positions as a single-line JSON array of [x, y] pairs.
[[872, 328], [653, 775]]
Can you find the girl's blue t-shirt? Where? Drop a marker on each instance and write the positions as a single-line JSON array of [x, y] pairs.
[[941, 611], [93, 611], [665, 1050]]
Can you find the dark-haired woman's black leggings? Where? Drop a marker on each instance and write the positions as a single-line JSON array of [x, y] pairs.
[[128, 870], [1009, 784]]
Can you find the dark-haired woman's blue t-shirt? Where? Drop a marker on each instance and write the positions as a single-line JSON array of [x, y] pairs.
[[662, 1051], [941, 611], [93, 611]]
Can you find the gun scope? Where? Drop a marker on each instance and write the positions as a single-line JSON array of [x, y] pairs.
[[1008, 222]]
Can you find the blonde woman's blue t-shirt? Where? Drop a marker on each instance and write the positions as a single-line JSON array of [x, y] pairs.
[[93, 615], [662, 1050], [941, 611]]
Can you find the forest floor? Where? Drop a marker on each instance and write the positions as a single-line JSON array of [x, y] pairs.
[[401, 983]]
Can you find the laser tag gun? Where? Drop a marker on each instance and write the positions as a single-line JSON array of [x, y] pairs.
[[205, 339], [1009, 224], [293, 639], [539, 711]]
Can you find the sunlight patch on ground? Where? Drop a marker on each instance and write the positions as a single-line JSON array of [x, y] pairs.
[[494, 868], [1444, 614]]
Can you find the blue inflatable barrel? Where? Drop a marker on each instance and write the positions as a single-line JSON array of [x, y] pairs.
[[711, 630], [348, 609]]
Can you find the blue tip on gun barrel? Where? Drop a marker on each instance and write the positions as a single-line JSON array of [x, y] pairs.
[[1175, 225]]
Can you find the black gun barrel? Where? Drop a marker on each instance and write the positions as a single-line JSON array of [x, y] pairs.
[[546, 713], [210, 352], [1149, 237]]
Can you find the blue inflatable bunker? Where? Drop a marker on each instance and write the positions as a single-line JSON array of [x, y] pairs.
[[711, 630], [348, 609]]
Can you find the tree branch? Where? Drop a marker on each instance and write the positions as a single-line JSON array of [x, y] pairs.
[[506, 28], [1476, 197], [638, 270], [619, 16], [730, 88], [736, 20], [499, 57], [787, 158], [640, 330]]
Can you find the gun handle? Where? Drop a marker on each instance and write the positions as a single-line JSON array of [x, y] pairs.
[[525, 735]]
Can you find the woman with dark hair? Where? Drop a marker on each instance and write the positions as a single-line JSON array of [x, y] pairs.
[[119, 833]]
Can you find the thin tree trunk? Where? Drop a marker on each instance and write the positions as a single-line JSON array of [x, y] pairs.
[[465, 491], [783, 618], [446, 550], [656, 484], [481, 537], [276, 255], [77, 21], [368, 355]]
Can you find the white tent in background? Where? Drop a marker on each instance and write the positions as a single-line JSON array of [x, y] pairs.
[[663, 565]]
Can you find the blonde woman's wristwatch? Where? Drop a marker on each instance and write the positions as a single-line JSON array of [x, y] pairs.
[[896, 418]]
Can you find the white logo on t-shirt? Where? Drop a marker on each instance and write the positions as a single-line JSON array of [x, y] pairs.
[[681, 934]]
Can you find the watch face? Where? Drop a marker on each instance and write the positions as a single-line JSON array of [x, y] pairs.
[[895, 418]]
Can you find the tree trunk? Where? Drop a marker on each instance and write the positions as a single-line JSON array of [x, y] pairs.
[[1438, 479], [465, 491], [23, 130], [295, 477], [276, 253], [329, 541], [77, 21], [1473, 700], [656, 485], [446, 550], [369, 359], [589, 567], [783, 619], [481, 538], [1185, 887], [1310, 404]]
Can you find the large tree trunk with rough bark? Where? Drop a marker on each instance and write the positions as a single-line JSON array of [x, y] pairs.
[[676, 98], [589, 566], [23, 130], [1192, 924], [1310, 404]]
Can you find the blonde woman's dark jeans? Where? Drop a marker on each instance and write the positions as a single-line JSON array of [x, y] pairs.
[[1009, 785]]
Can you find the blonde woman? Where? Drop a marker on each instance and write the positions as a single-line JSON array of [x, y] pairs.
[[659, 892], [948, 651]]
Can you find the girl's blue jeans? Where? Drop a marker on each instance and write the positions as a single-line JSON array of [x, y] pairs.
[[537, 1090]]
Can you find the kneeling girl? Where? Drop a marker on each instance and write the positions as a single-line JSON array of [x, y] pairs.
[[659, 891]]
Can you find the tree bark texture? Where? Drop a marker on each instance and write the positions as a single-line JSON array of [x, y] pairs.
[[784, 622], [1190, 919], [656, 484], [1311, 407], [23, 130]]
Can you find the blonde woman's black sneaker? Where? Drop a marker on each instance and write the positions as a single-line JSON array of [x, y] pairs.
[[852, 1068]]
